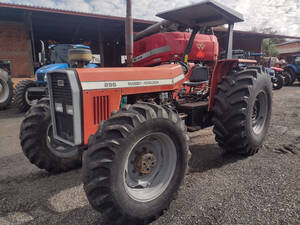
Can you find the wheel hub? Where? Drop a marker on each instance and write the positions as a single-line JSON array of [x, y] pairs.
[[145, 163], [259, 113], [150, 166]]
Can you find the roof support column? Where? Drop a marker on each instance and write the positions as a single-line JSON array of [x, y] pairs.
[[229, 41], [101, 47], [129, 33], [30, 41]]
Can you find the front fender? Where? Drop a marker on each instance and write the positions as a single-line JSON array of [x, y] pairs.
[[293, 67]]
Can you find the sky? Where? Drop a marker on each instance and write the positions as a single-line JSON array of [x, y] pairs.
[[281, 15]]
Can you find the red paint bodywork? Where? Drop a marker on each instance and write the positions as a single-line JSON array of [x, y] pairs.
[[114, 95], [162, 72], [221, 69], [205, 48], [277, 69]]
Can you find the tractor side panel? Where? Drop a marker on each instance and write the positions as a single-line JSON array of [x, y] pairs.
[[97, 106], [103, 89]]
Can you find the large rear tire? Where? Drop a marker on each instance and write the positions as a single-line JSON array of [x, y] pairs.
[[291, 74], [135, 163], [38, 143], [287, 78], [6, 90], [242, 111], [22, 101]]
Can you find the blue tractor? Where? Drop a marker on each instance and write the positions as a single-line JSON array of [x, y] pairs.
[[61, 56], [293, 68]]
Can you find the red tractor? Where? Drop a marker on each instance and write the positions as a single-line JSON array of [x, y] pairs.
[[131, 123]]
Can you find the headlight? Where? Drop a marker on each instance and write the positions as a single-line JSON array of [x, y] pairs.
[[69, 109], [59, 107], [45, 77]]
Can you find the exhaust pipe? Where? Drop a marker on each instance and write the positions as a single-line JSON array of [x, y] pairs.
[[155, 28]]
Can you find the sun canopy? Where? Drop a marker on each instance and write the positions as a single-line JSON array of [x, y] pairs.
[[206, 13]]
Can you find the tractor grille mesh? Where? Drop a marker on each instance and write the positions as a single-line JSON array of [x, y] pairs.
[[100, 108], [62, 93]]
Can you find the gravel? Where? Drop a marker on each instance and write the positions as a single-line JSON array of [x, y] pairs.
[[218, 189]]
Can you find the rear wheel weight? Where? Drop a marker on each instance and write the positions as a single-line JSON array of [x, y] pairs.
[[242, 111], [135, 163]]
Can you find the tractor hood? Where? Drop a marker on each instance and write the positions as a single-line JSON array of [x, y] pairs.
[[52, 67], [40, 74], [132, 79]]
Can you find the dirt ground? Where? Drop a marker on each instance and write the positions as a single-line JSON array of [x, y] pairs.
[[219, 189]]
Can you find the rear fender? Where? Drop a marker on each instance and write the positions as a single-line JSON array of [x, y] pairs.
[[222, 67], [293, 67]]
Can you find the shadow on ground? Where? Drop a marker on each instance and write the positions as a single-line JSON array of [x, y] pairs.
[[208, 156]]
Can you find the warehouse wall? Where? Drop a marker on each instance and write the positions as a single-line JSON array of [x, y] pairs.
[[15, 46], [289, 49]]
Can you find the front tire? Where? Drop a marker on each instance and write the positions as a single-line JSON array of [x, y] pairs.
[[278, 83], [39, 145], [287, 78], [135, 163], [22, 101], [242, 111]]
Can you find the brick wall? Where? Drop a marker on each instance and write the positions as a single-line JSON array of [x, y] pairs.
[[293, 48], [15, 47]]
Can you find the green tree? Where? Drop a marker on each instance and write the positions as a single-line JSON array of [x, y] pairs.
[[269, 44], [269, 48]]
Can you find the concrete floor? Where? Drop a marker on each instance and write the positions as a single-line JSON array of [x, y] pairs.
[[219, 189]]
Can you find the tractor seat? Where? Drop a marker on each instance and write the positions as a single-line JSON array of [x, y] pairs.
[[199, 76]]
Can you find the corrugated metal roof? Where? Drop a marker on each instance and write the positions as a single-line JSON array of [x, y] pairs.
[[30, 7], [288, 42], [263, 35]]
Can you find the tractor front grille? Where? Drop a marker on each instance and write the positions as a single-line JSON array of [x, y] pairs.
[[62, 94], [61, 88], [101, 108], [40, 77]]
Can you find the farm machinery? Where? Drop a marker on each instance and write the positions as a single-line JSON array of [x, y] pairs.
[[279, 77], [293, 68], [131, 123], [61, 56]]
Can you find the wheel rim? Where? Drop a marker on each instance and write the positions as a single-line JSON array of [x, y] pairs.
[[56, 147], [149, 167], [259, 112], [4, 91], [275, 83], [29, 102]]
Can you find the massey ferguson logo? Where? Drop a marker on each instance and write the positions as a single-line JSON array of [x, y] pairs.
[[60, 83]]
